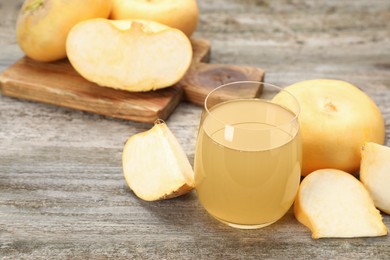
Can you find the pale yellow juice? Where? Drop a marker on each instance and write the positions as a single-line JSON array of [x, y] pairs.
[[248, 172]]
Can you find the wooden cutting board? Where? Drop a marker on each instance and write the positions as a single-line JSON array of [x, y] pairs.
[[59, 84]]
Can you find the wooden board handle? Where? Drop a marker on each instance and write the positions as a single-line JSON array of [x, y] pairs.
[[203, 78]]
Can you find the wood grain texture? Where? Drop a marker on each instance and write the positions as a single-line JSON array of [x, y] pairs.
[[62, 193]]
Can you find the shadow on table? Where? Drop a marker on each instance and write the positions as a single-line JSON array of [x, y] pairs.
[[185, 213]]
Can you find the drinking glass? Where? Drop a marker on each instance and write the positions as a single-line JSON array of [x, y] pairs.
[[248, 154]]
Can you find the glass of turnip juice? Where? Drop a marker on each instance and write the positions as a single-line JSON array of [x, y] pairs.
[[248, 154]]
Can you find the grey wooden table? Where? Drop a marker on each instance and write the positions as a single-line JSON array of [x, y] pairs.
[[62, 193]]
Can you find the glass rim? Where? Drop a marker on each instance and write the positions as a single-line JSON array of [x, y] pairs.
[[280, 89]]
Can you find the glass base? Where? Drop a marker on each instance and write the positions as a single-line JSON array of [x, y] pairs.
[[243, 226]]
